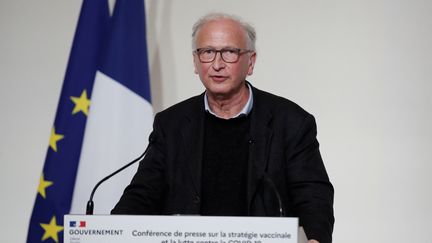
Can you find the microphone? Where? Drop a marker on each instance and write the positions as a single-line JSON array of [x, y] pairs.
[[265, 179], [276, 192], [90, 204]]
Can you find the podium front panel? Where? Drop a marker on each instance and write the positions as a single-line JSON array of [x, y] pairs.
[[178, 229]]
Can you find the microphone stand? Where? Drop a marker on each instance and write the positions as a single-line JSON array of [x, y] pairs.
[[90, 204]]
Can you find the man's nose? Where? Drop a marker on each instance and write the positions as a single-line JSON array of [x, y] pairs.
[[218, 62]]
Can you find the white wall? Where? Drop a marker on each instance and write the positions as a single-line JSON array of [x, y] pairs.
[[363, 68]]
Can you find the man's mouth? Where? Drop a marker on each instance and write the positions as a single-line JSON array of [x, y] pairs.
[[218, 78]]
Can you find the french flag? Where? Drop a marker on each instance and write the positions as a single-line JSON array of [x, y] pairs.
[[103, 119], [121, 115]]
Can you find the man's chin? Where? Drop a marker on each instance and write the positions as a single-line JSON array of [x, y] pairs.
[[217, 87], [224, 89]]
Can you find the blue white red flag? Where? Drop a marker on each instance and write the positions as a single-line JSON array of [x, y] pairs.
[[103, 118]]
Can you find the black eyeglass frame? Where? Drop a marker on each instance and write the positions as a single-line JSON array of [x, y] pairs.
[[238, 52]]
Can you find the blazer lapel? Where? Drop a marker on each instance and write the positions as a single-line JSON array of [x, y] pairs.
[[260, 141], [192, 135]]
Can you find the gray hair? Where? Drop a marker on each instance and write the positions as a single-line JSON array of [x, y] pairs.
[[250, 31]]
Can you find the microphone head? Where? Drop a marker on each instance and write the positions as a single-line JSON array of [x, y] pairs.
[[89, 208]]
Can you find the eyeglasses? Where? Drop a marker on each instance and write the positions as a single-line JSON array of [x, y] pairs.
[[229, 55]]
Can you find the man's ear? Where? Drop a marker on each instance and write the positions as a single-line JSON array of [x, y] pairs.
[[252, 60], [195, 61]]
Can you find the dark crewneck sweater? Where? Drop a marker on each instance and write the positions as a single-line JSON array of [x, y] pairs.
[[225, 161]]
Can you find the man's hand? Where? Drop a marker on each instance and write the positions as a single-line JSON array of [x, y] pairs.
[[313, 241]]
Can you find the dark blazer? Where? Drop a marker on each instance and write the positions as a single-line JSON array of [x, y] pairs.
[[283, 150]]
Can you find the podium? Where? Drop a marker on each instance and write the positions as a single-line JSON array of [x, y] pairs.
[[180, 229]]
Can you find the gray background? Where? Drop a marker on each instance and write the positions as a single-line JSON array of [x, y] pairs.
[[363, 68]]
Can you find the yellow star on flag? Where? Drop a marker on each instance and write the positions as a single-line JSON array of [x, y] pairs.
[[51, 230], [82, 103], [43, 184], [54, 138]]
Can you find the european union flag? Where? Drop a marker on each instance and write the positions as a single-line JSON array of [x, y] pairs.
[[105, 100]]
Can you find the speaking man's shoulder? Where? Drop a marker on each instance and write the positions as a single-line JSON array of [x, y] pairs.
[[189, 106], [277, 105]]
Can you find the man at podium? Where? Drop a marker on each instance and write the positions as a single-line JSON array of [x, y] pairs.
[[233, 150]]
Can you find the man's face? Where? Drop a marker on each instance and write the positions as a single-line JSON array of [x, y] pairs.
[[221, 78]]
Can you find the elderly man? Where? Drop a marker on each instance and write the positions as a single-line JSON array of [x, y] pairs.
[[234, 150]]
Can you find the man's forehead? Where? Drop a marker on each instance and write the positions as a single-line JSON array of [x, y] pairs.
[[221, 33]]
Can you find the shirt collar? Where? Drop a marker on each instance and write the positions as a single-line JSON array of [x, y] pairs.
[[245, 111]]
